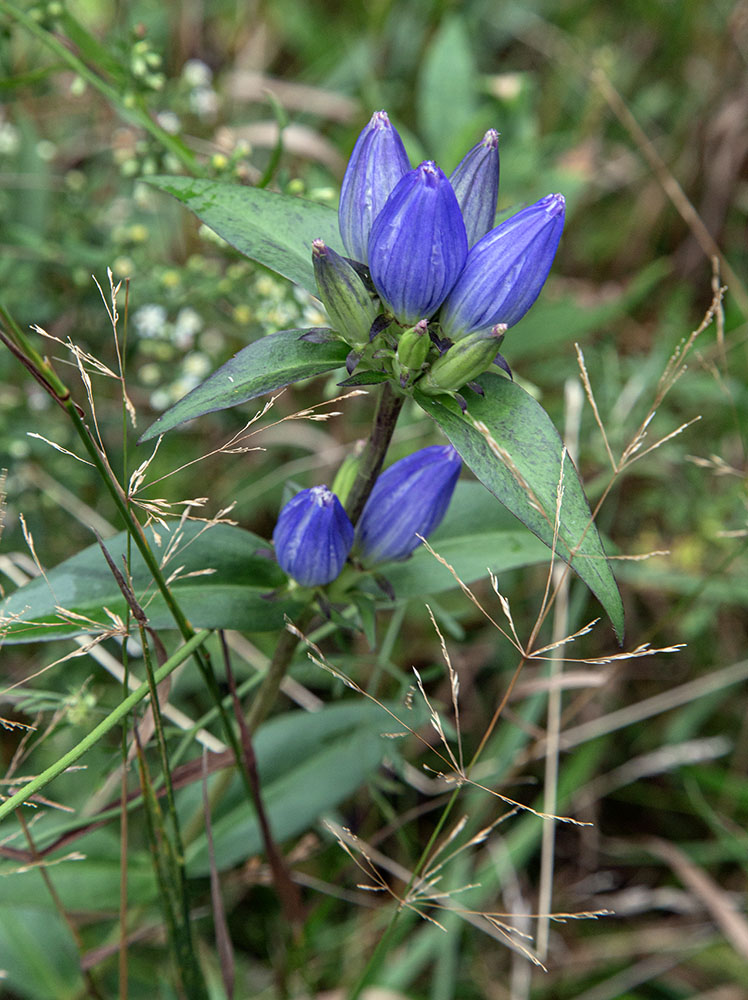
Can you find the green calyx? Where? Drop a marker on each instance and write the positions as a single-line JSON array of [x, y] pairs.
[[413, 348], [349, 304], [462, 362], [347, 472]]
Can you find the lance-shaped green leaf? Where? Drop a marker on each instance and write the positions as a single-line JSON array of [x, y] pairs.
[[274, 229], [476, 537], [264, 365], [223, 581], [308, 763], [510, 443]]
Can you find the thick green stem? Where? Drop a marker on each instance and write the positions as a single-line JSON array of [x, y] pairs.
[[372, 457], [276, 671]]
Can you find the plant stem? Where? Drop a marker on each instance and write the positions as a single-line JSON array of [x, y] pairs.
[[125, 706], [276, 671], [372, 457], [131, 107]]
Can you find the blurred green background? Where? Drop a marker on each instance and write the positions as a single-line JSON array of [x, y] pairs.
[[636, 112]]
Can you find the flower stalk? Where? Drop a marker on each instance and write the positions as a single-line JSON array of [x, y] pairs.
[[372, 457]]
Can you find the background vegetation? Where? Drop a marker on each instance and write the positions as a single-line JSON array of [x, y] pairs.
[[636, 112]]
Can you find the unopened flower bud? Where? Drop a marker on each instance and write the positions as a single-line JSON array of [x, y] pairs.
[[418, 245], [505, 271], [347, 472], [464, 361], [313, 537], [409, 499], [475, 181], [413, 346], [377, 163], [345, 297]]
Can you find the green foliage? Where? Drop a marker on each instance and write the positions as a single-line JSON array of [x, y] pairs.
[[264, 225], [105, 109], [271, 363], [517, 454], [31, 970], [309, 763], [222, 579], [477, 535]]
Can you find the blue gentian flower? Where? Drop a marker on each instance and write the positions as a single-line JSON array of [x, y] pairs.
[[413, 229], [377, 163], [409, 499], [313, 537], [505, 271], [418, 245], [475, 181]]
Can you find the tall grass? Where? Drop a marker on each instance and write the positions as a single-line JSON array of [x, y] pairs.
[[546, 814]]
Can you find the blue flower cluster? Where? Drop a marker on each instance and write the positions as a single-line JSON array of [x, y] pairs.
[[433, 254], [429, 240], [313, 536]]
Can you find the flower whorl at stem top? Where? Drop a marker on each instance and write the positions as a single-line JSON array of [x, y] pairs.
[[410, 498], [313, 537], [413, 229]]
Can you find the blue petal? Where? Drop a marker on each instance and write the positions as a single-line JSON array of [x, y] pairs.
[[505, 271], [377, 163], [409, 499], [418, 244], [313, 537], [475, 181]]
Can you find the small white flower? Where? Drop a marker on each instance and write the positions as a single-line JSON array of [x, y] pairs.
[[196, 73], [169, 122], [204, 101], [186, 327], [46, 150], [9, 139], [150, 321], [196, 365], [161, 399]]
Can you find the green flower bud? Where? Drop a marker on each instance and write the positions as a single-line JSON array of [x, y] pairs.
[[464, 361], [349, 304], [413, 347], [346, 474]]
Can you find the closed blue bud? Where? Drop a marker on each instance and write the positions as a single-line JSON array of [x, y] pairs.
[[313, 537], [418, 244], [409, 499], [475, 181], [377, 163], [505, 271]]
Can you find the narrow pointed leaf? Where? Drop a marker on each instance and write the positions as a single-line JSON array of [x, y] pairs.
[[308, 763], [264, 365], [364, 378], [514, 421], [274, 229], [235, 595]]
